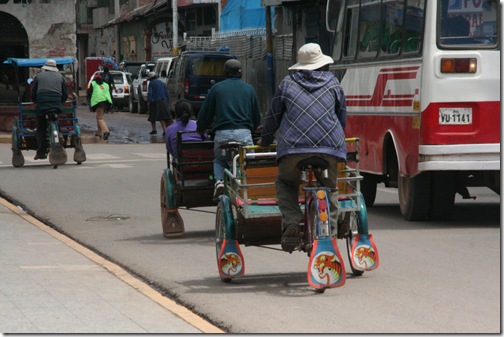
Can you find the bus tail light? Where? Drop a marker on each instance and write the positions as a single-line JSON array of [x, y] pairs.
[[458, 65]]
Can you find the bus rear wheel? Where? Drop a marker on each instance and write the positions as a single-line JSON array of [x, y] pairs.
[[414, 196], [444, 185], [368, 188]]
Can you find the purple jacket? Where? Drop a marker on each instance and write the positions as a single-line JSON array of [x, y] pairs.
[[171, 135]]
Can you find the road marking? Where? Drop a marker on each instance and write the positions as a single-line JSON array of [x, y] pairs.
[[96, 163], [115, 166], [170, 305], [152, 155], [388, 190], [100, 156]]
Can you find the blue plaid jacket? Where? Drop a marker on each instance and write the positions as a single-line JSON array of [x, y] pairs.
[[307, 115]]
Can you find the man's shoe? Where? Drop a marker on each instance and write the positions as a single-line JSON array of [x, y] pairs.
[[106, 135], [219, 188], [153, 132], [290, 238], [40, 156]]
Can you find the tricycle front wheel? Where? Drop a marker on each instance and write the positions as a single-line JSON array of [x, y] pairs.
[[220, 233]]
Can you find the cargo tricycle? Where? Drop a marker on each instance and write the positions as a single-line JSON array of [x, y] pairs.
[[62, 128], [248, 213]]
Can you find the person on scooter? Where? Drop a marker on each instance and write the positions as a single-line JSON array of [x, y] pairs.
[[49, 92], [308, 113]]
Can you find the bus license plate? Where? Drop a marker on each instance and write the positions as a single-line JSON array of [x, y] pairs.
[[455, 116]]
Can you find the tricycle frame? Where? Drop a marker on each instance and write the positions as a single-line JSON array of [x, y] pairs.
[[65, 124]]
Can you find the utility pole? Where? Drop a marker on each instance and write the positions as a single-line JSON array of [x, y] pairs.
[[219, 12], [175, 27], [117, 10]]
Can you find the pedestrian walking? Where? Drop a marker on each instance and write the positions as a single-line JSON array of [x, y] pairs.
[[101, 101], [159, 107]]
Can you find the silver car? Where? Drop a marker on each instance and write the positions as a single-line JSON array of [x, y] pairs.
[[138, 97]]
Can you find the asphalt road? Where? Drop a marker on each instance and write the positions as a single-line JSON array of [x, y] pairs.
[[125, 127], [433, 277]]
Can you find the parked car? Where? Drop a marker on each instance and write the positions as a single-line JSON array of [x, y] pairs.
[[123, 83], [138, 96], [131, 67], [193, 74], [163, 67]]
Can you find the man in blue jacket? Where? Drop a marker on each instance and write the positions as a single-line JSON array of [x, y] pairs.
[[159, 107], [232, 111], [308, 115]]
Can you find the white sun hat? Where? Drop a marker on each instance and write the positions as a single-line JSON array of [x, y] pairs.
[[50, 65], [310, 57]]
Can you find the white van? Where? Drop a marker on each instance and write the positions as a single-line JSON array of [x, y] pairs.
[[163, 67]]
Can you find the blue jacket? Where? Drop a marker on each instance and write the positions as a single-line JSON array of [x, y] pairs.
[[157, 91], [307, 115]]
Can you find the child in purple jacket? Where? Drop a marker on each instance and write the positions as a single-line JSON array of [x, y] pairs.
[[183, 122]]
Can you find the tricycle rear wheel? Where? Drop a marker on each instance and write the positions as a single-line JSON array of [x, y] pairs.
[[353, 224], [17, 155]]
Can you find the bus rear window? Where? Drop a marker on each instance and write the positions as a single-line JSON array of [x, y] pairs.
[[468, 24]]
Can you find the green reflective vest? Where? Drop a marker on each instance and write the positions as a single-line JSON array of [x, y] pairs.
[[101, 93]]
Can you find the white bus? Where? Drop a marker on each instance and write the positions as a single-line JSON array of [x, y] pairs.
[[422, 86]]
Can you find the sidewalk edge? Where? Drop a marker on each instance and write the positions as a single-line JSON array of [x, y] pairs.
[[170, 305]]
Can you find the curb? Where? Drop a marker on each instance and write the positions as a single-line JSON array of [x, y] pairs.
[[6, 138]]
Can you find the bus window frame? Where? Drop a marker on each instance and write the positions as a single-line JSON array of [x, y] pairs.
[[444, 46], [344, 56]]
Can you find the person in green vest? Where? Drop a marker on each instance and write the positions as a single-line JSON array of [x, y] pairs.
[[100, 101]]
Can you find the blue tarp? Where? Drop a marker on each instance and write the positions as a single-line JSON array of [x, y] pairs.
[[39, 62], [242, 14]]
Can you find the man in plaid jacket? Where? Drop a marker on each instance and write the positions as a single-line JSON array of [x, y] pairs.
[[307, 117]]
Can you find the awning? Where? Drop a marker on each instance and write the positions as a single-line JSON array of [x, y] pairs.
[[184, 3], [38, 62], [276, 2], [136, 13], [242, 14]]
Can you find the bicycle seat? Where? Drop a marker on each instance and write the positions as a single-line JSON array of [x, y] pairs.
[[231, 145], [316, 163], [51, 111]]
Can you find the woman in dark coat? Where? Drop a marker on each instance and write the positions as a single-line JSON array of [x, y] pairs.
[[159, 107]]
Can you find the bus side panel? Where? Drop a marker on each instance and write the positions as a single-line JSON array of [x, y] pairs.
[[383, 111], [378, 132]]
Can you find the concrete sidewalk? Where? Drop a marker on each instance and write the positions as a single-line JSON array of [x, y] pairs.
[[51, 284]]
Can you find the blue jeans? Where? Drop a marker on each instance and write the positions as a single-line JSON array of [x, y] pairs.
[[223, 136]]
